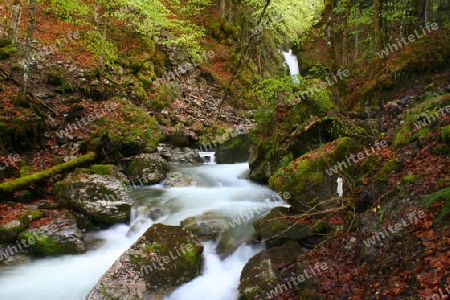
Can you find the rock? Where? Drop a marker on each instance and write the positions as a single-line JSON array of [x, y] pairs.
[[177, 179], [207, 226], [101, 198], [181, 136], [310, 178], [186, 155], [148, 167], [9, 231], [234, 150], [60, 236], [276, 229], [262, 272], [76, 112], [163, 258], [260, 170], [24, 196]]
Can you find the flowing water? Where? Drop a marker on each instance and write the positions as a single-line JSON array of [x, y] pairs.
[[292, 62], [215, 188]]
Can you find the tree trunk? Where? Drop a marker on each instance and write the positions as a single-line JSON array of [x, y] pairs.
[[376, 24], [427, 11], [105, 31], [15, 21], [222, 10], [96, 15], [31, 22], [345, 34]]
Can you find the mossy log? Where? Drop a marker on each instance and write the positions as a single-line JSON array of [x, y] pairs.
[[24, 182]]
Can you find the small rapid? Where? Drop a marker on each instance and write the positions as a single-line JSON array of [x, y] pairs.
[[219, 189]]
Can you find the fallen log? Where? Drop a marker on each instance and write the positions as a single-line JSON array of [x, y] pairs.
[[26, 181]]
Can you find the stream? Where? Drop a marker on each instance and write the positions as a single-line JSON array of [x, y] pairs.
[[214, 188]]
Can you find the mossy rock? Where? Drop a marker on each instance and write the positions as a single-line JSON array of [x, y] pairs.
[[61, 236], [10, 231], [276, 228], [262, 272], [163, 258], [55, 77], [387, 170], [128, 137], [309, 179], [7, 52], [150, 168], [102, 198], [20, 133], [234, 150]]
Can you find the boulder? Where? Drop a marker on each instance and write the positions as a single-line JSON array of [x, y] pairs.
[[186, 155], [163, 258], [149, 168], [276, 228], [310, 178], [262, 272], [207, 226], [60, 236], [181, 136], [234, 150], [177, 179], [102, 198]]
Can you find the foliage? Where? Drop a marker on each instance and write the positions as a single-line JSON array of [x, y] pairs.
[[443, 194]]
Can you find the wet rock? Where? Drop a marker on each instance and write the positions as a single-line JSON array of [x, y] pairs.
[[186, 155], [262, 272], [177, 179], [207, 226], [163, 258], [276, 228], [60, 236], [150, 168], [234, 150], [101, 198]]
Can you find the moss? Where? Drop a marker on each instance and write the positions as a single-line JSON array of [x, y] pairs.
[[35, 214], [25, 171], [48, 245], [102, 170], [445, 135], [55, 77], [387, 170], [7, 52], [23, 182], [409, 179], [190, 256], [153, 246]]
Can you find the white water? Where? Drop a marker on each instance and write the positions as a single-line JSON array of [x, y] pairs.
[[216, 188], [292, 62]]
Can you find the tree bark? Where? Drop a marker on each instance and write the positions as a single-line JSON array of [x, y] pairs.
[[345, 33], [15, 21], [31, 23]]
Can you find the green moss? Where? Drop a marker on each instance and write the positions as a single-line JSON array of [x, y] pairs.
[[190, 256], [102, 170], [409, 179], [7, 52], [387, 170], [154, 246], [35, 214], [23, 182], [48, 245], [445, 135]]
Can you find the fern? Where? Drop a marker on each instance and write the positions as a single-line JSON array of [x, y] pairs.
[[441, 194]]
